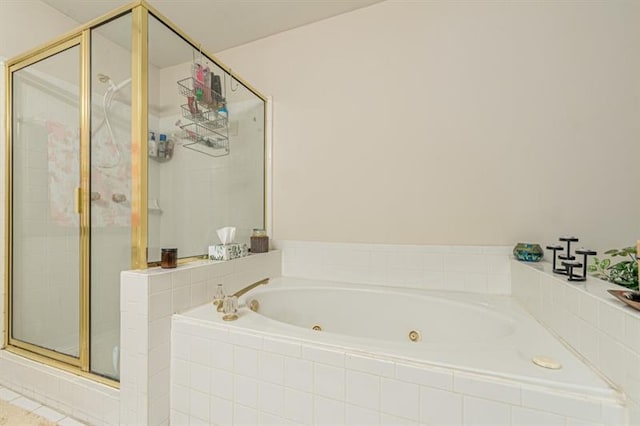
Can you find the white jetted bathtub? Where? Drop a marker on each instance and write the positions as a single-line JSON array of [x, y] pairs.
[[464, 345]]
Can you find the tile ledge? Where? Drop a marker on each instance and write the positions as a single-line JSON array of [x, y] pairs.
[[192, 265], [593, 287]]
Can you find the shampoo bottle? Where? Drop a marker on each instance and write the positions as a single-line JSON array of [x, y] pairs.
[[153, 145]]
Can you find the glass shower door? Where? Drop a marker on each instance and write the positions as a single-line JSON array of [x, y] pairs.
[[46, 234]]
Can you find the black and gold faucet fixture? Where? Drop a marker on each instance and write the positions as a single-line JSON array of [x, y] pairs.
[[568, 261]]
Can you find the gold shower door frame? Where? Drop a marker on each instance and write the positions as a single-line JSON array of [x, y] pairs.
[[20, 346], [140, 11]]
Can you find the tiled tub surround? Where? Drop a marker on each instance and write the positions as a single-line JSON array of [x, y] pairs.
[[476, 269], [599, 327], [260, 371], [149, 298]]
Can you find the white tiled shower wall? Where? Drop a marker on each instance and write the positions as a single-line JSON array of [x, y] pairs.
[[148, 299], [604, 331], [223, 376], [477, 269]]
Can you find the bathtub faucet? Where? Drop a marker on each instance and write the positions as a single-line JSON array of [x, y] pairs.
[[250, 287]]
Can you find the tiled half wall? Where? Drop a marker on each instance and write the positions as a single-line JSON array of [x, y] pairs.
[[476, 269], [148, 299], [599, 327]]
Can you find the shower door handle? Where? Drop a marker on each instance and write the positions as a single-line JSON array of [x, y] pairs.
[[77, 200]]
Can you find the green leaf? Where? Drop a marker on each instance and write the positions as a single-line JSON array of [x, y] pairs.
[[612, 251], [592, 268], [605, 263]]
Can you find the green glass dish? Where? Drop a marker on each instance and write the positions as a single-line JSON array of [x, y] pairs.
[[528, 252]]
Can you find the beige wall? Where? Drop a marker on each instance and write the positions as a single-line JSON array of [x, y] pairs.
[[455, 123]]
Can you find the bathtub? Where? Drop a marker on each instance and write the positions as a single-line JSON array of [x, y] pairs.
[[485, 340]]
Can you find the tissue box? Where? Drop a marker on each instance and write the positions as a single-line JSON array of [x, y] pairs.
[[228, 251]]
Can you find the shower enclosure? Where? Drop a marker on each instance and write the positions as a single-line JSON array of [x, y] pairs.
[[117, 148]]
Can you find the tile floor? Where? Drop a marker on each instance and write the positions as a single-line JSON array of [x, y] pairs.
[[37, 408]]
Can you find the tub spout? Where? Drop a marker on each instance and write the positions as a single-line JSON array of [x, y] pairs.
[[250, 287]]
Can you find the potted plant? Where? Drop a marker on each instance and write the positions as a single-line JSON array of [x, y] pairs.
[[624, 272]]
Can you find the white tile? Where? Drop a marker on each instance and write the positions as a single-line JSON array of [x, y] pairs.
[[179, 418], [588, 308], [244, 416], [298, 406], [221, 383], [245, 361], [180, 299], [200, 273], [328, 412], [196, 421], [246, 391], [357, 416], [559, 404], [265, 419], [26, 403], [180, 278], [458, 262], [612, 321], [400, 399], [634, 413], [370, 365], [389, 420], [199, 350], [159, 359], [440, 408], [498, 264], [495, 389], [199, 378], [222, 356], [159, 283], [159, 410], [246, 340], [363, 390], [614, 414], [271, 398], [180, 372], [159, 332], [588, 342], [482, 412], [632, 332], [499, 284], [271, 367], [198, 294], [8, 395], [298, 374], [579, 422], [199, 405], [528, 417], [49, 414], [324, 356], [282, 347], [611, 354], [220, 411], [426, 376], [328, 381], [160, 305]]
